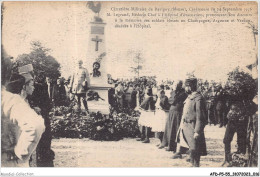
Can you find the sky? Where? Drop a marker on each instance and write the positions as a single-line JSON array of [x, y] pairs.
[[169, 50]]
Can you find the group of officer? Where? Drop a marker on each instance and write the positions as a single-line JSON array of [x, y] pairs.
[[218, 105], [233, 113]]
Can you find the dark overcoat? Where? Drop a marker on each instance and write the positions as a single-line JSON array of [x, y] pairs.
[[173, 121], [194, 120]]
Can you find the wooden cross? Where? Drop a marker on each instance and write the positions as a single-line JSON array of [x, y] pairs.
[[97, 40]]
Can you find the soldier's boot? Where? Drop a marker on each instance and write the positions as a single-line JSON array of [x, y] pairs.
[[85, 105], [240, 150], [241, 141], [194, 158], [227, 161], [196, 162]]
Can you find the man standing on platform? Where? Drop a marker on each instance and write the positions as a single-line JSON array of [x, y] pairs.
[[194, 120], [120, 94], [79, 84]]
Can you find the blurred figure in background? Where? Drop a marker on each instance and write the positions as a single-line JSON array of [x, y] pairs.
[[128, 94], [133, 98], [168, 91], [220, 106], [119, 92], [211, 106], [49, 87], [112, 97], [176, 100], [41, 98], [59, 93]]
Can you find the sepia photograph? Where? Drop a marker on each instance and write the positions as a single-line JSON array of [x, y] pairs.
[[119, 84]]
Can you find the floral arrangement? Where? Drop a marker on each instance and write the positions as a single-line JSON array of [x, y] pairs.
[[68, 123], [240, 86]]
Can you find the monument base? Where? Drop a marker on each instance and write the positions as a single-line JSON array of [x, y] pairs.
[[102, 104]]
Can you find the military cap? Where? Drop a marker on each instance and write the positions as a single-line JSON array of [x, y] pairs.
[[25, 71]]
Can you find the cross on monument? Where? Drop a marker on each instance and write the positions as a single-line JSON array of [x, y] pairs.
[[97, 40]]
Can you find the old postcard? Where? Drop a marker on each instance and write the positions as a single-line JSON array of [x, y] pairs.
[[130, 84]]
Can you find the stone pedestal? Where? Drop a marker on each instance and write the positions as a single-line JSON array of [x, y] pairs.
[[97, 54]]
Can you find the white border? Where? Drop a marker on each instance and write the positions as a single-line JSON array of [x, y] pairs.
[[123, 171], [174, 171]]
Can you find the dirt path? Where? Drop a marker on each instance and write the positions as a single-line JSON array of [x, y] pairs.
[[130, 153]]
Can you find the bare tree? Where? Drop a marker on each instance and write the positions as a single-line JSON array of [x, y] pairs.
[[138, 61]]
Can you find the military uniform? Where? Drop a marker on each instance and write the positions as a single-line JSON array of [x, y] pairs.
[[194, 120], [79, 81], [21, 130], [79, 84], [237, 123], [211, 108], [220, 108]]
